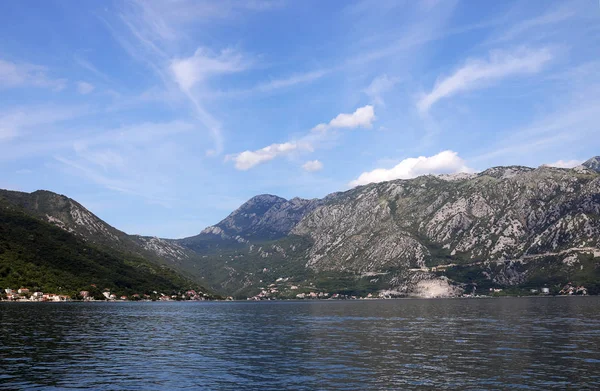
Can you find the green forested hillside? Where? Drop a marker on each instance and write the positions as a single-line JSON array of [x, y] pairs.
[[40, 256]]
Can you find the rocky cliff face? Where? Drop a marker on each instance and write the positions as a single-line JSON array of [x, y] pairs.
[[506, 226], [501, 213], [264, 217], [592, 164]]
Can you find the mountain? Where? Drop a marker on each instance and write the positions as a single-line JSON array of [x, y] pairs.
[[41, 256], [72, 217], [509, 228], [593, 164], [263, 217], [504, 228]]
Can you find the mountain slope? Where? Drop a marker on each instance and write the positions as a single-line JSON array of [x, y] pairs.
[[263, 217], [72, 217], [40, 256], [504, 227], [592, 164], [502, 213]]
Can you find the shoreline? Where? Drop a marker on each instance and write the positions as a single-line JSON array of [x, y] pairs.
[[299, 300]]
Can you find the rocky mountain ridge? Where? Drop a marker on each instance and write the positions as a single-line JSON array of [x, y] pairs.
[[505, 226], [73, 217], [263, 217], [434, 235], [592, 164], [41, 252]]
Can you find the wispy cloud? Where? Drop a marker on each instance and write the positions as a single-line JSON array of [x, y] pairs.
[[189, 71], [27, 75], [295, 79], [24, 171], [107, 181], [572, 123], [125, 182], [155, 28], [118, 159], [446, 162], [478, 73], [92, 69], [18, 121], [379, 86], [275, 85], [147, 135], [550, 17]]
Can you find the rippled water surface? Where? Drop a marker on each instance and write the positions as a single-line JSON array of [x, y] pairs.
[[515, 343]]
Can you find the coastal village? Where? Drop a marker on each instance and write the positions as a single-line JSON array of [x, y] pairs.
[[282, 289], [26, 295], [275, 291]]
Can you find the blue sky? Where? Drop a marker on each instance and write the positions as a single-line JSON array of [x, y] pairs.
[[162, 117]]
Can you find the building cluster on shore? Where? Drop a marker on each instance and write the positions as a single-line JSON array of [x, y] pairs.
[[571, 289], [271, 292], [155, 296], [23, 294], [284, 289]]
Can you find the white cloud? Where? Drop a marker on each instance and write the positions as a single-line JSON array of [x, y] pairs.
[[477, 73], [446, 162], [195, 69], [21, 75], [362, 117], [84, 87], [312, 166], [378, 87], [248, 159], [564, 163]]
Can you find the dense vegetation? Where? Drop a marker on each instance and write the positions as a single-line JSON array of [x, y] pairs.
[[40, 256]]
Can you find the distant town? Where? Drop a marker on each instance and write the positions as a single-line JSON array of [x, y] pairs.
[[25, 294], [274, 291], [281, 289]]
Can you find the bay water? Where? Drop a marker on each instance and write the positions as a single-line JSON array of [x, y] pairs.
[[512, 343]]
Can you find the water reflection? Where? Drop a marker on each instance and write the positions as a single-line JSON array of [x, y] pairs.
[[532, 343]]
